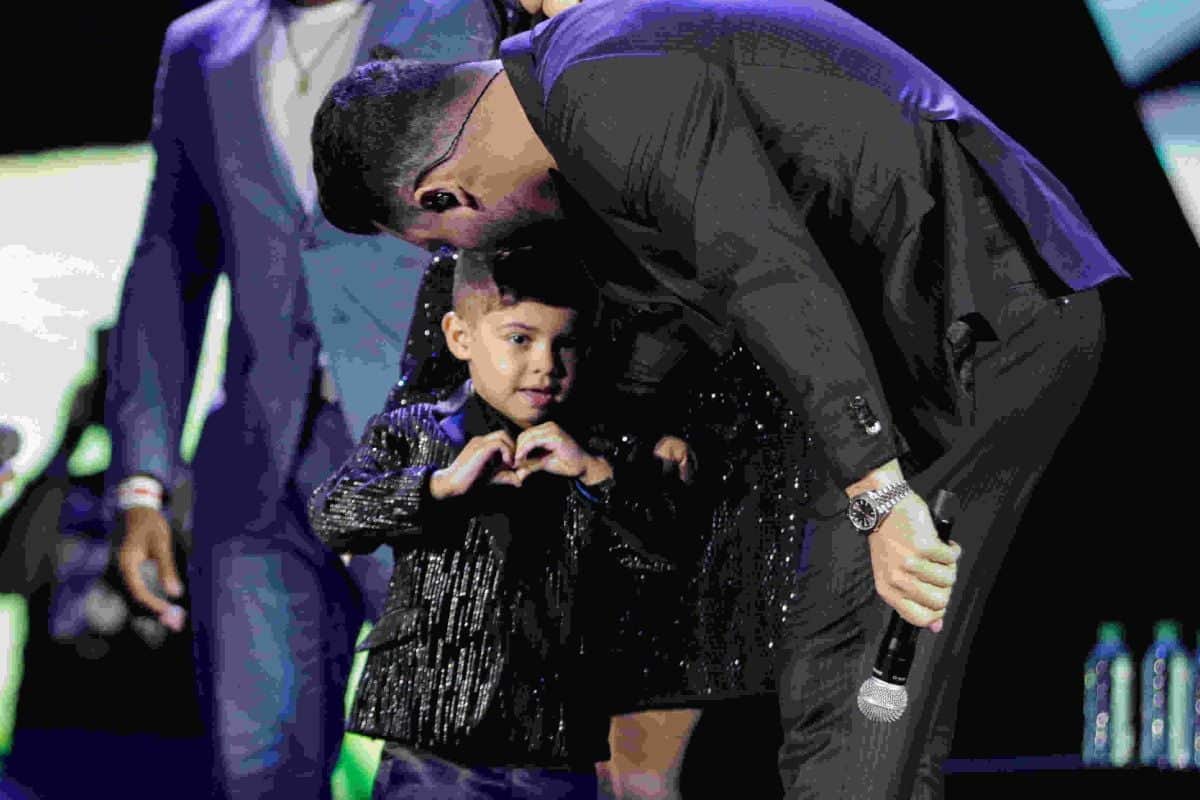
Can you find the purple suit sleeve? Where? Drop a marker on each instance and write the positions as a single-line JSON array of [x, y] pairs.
[[155, 343]]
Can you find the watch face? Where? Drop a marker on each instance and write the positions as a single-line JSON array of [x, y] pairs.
[[862, 514]]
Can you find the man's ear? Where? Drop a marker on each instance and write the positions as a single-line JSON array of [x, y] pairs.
[[442, 197], [458, 335], [441, 190]]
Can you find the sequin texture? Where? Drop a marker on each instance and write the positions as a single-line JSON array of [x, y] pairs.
[[477, 654]]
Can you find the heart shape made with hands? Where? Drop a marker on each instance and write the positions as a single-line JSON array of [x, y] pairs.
[[516, 475]]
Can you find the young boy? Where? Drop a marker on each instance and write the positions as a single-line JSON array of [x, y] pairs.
[[475, 673]]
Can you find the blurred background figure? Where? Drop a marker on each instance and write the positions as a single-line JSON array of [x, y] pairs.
[[274, 614], [10, 445]]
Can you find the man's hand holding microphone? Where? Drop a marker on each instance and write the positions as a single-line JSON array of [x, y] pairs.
[[146, 558]]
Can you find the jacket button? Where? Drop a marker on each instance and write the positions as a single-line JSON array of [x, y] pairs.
[[864, 416]]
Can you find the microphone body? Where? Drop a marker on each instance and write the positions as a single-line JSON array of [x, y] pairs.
[[883, 698], [10, 445]]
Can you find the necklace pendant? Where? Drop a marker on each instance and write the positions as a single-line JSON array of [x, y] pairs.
[[302, 83]]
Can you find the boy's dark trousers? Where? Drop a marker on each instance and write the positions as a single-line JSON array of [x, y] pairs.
[[406, 774]]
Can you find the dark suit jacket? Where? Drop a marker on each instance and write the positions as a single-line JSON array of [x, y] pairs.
[[787, 174]]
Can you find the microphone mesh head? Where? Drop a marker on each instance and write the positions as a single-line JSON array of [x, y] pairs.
[[880, 701]]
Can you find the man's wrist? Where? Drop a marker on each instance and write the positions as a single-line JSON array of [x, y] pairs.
[[869, 507], [878, 478], [139, 491]]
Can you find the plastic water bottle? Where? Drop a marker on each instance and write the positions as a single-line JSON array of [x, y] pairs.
[[1196, 705], [1108, 700], [1167, 700]]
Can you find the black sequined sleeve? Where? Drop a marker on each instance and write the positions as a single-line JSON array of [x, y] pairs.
[[652, 512], [381, 493]]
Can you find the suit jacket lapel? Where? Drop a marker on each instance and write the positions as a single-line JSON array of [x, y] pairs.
[[391, 27], [234, 91]]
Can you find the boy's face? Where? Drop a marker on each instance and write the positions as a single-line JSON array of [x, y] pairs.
[[522, 358]]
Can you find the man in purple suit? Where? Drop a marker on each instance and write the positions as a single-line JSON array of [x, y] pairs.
[[917, 285], [274, 614]]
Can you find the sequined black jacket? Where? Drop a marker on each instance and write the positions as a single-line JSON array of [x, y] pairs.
[[481, 653], [706, 630]]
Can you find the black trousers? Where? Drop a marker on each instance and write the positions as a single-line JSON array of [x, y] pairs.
[[1028, 390]]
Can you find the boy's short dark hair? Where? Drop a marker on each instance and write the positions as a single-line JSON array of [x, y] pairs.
[[551, 274]]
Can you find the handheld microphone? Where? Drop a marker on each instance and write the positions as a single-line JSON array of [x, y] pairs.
[[882, 697], [10, 445]]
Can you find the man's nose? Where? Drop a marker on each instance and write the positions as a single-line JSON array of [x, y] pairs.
[[424, 241]]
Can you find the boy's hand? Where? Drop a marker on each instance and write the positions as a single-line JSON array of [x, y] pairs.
[[478, 457], [675, 454], [548, 448]]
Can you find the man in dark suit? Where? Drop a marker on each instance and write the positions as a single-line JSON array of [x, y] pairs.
[[914, 281]]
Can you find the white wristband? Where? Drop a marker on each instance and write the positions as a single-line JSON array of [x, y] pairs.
[[139, 492]]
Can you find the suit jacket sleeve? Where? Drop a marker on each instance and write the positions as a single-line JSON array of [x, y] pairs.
[[684, 181], [380, 495], [155, 343], [652, 515]]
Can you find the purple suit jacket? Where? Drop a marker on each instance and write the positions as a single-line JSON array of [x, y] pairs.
[[222, 202]]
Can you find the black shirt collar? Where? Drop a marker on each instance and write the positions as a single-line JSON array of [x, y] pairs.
[[479, 419]]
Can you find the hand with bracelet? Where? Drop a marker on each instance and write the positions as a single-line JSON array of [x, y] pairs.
[[914, 570], [147, 539]]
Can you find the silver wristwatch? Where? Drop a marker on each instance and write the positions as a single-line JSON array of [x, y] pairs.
[[868, 509]]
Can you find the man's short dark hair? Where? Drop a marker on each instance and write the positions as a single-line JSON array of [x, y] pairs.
[[375, 131]]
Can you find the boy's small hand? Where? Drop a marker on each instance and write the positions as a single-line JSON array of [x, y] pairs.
[[675, 454], [548, 448], [478, 457]]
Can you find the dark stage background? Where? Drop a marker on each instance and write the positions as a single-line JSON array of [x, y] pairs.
[[1108, 533]]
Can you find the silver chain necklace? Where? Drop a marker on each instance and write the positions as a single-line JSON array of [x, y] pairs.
[[304, 80]]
